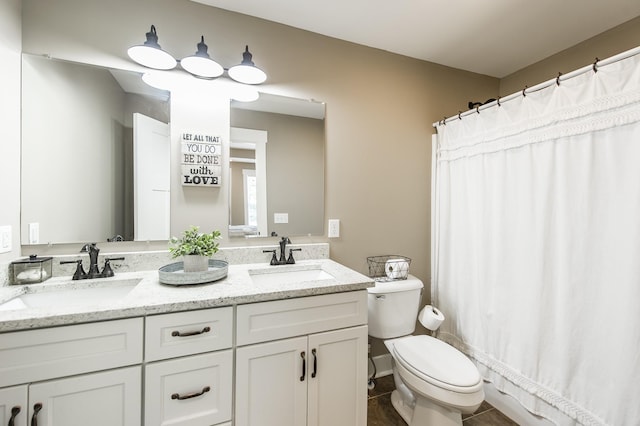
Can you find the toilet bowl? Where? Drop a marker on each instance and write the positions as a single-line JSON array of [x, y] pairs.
[[442, 384], [435, 383]]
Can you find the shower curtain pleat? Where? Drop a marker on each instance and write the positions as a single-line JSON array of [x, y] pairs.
[[538, 226]]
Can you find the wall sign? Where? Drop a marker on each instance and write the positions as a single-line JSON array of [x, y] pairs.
[[201, 159]]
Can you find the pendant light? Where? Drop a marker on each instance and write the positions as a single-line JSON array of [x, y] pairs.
[[150, 54], [247, 72], [200, 64]]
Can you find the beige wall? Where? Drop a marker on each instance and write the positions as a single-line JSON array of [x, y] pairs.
[[609, 43], [10, 48]]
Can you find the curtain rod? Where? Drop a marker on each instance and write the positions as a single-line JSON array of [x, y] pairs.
[[560, 78]]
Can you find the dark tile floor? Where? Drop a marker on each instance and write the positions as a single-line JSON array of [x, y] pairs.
[[380, 412]]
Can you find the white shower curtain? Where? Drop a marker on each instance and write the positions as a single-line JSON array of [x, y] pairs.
[[536, 229]]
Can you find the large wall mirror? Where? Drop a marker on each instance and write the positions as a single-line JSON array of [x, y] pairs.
[[276, 167], [78, 155]]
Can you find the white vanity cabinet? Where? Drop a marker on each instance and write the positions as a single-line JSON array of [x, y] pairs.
[[191, 384], [73, 375], [318, 377]]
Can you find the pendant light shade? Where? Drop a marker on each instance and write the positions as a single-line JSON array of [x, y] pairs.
[[200, 64], [151, 55], [247, 72]]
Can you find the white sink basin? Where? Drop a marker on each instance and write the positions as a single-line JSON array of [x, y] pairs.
[[95, 293], [274, 276]]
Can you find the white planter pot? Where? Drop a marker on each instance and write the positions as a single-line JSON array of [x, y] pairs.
[[195, 263]]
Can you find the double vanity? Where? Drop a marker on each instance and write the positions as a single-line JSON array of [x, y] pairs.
[[267, 345]]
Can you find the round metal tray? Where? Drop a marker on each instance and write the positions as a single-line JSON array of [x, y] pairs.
[[174, 274]]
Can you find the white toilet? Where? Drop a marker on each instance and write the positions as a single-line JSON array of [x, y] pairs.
[[435, 383]]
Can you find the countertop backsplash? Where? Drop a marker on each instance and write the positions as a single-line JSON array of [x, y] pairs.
[[153, 260]]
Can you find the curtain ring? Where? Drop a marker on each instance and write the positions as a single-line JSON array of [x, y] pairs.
[[444, 120], [478, 109], [524, 94], [459, 115], [595, 65], [558, 79], [498, 100]]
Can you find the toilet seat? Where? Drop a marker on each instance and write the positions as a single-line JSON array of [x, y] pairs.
[[437, 363]]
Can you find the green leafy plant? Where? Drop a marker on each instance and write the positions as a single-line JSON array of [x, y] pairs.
[[194, 243]]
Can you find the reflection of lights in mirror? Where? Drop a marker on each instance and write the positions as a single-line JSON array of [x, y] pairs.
[[173, 81]]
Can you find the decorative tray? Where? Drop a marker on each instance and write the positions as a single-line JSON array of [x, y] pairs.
[[174, 274]]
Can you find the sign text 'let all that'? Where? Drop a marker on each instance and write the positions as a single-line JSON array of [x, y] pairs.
[[201, 163]]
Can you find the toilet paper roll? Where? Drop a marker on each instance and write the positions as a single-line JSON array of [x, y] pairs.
[[396, 268], [430, 317]]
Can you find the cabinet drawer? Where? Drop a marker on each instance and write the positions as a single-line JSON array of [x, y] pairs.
[[194, 390], [187, 333], [42, 354], [261, 322]]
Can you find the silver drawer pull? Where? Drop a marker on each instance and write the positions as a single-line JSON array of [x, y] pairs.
[[190, 395], [190, 333]]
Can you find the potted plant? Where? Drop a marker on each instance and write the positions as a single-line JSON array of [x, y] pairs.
[[195, 248]]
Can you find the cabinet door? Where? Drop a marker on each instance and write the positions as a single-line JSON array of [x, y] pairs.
[[13, 406], [110, 398], [190, 391], [338, 378], [271, 383]]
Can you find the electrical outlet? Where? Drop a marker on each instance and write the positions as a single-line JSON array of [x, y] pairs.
[[5, 239], [281, 218], [334, 228]]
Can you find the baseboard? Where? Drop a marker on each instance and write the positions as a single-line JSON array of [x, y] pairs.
[[384, 366]]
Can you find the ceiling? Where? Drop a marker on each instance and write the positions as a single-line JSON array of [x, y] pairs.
[[492, 37]]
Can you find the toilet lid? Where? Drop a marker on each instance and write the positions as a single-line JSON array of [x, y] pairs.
[[436, 361]]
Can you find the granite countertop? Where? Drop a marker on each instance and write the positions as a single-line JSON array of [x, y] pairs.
[[150, 296]]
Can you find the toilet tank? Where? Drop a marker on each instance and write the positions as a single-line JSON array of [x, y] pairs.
[[393, 307]]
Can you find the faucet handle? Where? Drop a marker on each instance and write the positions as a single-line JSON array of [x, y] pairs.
[[274, 259], [291, 260], [107, 271], [79, 274]]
